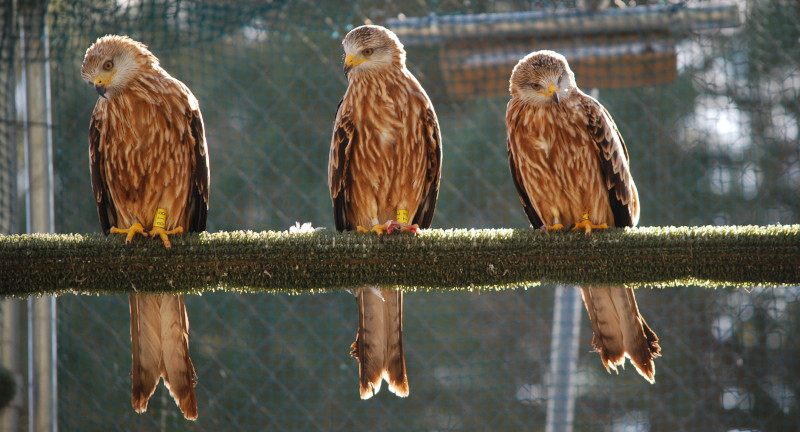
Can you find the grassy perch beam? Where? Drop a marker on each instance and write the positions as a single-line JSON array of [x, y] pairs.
[[436, 259]]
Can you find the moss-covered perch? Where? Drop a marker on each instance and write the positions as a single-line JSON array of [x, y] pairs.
[[436, 259]]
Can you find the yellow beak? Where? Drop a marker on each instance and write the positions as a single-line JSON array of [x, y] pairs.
[[552, 92], [350, 62], [104, 78], [101, 82]]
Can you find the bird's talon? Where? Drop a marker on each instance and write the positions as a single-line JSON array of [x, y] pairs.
[[555, 226], [377, 229], [130, 232], [587, 225], [163, 234]]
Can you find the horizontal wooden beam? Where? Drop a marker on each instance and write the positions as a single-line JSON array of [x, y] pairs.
[[435, 29]]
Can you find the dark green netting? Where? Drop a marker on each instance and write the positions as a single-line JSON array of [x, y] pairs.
[[709, 111]]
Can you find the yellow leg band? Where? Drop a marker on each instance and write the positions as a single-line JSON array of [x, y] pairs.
[[160, 221], [402, 216]]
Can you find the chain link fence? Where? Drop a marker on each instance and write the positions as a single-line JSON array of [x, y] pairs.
[[8, 125], [711, 124]]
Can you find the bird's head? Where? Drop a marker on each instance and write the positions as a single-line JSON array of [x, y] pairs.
[[542, 78], [111, 63], [372, 48]]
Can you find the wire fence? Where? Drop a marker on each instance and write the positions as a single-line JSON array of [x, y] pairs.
[[8, 148], [710, 115]]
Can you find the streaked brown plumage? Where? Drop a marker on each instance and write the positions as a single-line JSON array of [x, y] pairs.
[[385, 157], [567, 159], [148, 151]]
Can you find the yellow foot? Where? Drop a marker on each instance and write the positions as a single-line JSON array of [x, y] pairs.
[[556, 225], [161, 232], [377, 229], [389, 227], [132, 231], [587, 225]]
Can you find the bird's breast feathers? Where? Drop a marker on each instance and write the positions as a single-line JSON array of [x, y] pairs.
[[556, 159], [387, 161], [148, 155]]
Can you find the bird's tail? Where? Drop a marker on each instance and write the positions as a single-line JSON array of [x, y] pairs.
[[620, 331], [379, 343], [160, 346]]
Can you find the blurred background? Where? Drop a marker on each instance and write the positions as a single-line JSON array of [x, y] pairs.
[[704, 93]]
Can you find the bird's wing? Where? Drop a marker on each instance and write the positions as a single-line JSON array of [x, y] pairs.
[[622, 193], [344, 134], [433, 147], [106, 208], [197, 207]]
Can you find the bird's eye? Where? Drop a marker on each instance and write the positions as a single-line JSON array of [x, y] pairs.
[[368, 51], [536, 86], [108, 65]]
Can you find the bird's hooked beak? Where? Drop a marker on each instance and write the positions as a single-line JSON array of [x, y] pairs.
[[350, 62], [552, 92], [101, 83], [101, 90]]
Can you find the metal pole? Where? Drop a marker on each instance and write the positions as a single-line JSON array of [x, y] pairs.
[[562, 389], [34, 40]]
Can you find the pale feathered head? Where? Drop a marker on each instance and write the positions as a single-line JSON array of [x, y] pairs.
[[372, 48], [113, 61], [542, 78]]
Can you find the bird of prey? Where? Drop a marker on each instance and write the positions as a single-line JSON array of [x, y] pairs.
[[150, 176], [570, 167], [383, 174]]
